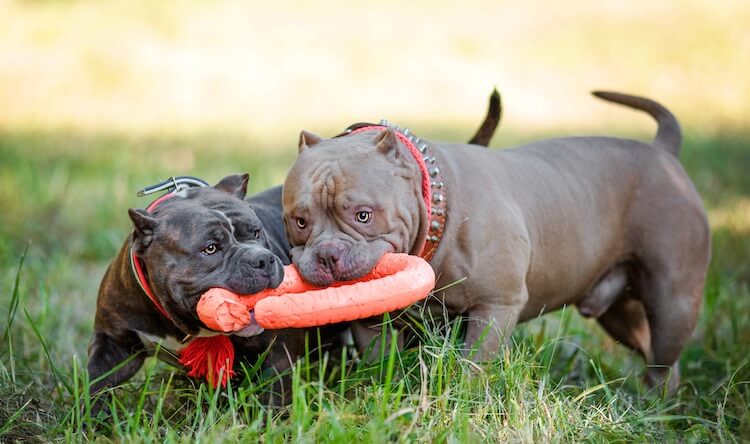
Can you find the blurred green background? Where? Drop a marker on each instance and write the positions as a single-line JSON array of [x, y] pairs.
[[98, 99]]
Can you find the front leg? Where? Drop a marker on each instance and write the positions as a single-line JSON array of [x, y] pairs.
[[489, 327], [493, 317], [106, 353], [368, 338]]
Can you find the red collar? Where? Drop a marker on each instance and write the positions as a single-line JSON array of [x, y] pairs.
[[137, 267], [433, 186]]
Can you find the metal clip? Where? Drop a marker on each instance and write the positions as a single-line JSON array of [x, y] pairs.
[[174, 183]]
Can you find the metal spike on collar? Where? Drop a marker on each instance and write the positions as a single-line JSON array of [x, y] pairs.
[[434, 171], [406, 132], [423, 148], [384, 122]]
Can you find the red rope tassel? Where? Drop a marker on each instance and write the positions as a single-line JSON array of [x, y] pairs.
[[211, 358]]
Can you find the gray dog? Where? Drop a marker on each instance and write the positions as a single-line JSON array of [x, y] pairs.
[[612, 225]]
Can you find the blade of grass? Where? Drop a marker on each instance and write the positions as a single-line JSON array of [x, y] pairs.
[[389, 373], [14, 298], [9, 424], [57, 375]]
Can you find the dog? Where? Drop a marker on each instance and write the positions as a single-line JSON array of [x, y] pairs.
[[198, 239], [612, 225]]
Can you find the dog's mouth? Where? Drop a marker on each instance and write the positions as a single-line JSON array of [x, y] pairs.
[[255, 282], [354, 262]]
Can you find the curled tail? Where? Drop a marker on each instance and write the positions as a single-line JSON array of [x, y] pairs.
[[668, 134]]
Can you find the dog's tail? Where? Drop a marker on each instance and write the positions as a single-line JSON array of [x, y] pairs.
[[668, 134], [491, 121]]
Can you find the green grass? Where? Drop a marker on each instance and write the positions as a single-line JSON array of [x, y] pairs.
[[63, 199]]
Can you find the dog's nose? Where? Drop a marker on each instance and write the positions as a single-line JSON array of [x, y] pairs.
[[328, 255], [262, 261]]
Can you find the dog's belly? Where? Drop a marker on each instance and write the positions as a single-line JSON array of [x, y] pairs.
[[597, 293], [154, 342]]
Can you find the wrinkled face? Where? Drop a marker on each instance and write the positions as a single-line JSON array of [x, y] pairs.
[[347, 202], [208, 239]]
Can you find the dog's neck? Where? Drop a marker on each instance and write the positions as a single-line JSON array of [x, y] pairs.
[[140, 275]]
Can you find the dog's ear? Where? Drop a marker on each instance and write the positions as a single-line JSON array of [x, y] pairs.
[[308, 139], [387, 143], [236, 185], [144, 225]]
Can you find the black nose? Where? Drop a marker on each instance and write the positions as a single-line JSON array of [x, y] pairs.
[[262, 261], [328, 255]]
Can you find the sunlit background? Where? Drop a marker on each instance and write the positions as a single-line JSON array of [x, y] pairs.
[[270, 68], [100, 98]]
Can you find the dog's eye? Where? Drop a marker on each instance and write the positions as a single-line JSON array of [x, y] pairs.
[[363, 217], [301, 223], [210, 249], [256, 234]]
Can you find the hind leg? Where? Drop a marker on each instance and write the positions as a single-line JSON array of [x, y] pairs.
[[671, 241], [627, 322], [672, 306]]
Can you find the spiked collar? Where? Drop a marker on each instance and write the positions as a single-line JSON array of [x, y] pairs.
[[433, 186]]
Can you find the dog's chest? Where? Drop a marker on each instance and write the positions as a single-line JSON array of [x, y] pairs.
[[155, 342]]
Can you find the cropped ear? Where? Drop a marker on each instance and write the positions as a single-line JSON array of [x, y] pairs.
[[236, 185], [308, 139], [144, 225], [387, 143]]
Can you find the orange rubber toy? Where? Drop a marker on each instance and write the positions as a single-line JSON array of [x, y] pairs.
[[397, 281]]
